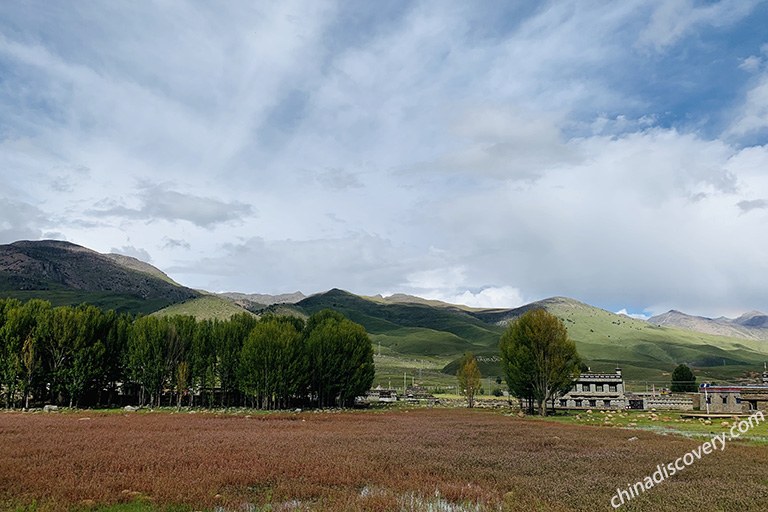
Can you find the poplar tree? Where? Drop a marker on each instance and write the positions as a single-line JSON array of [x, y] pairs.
[[469, 378]]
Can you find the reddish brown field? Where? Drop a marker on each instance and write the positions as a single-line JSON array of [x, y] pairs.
[[400, 460]]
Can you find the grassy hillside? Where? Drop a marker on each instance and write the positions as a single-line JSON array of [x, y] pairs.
[[646, 351], [203, 308], [60, 296], [415, 336]]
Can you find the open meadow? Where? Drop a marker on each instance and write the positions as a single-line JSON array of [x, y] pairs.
[[401, 459]]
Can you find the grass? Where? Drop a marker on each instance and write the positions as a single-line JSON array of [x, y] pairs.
[[203, 308], [668, 423], [410, 459], [121, 303]]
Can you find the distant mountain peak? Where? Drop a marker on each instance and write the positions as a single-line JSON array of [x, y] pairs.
[[752, 325]]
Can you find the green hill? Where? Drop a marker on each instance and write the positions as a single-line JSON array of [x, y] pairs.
[[430, 337], [204, 307]]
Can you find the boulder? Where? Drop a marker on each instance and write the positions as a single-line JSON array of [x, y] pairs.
[[50, 408], [130, 408]]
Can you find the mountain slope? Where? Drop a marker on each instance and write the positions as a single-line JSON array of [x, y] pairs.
[[67, 274], [750, 326]]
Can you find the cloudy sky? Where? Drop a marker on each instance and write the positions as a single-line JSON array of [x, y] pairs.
[[489, 153]]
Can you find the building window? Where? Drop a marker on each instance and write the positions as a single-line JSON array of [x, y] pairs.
[[563, 403], [593, 403], [709, 399], [607, 403], [599, 388], [725, 400], [578, 403], [585, 387], [612, 388], [738, 400]]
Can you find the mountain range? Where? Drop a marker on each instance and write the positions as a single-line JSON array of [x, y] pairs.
[[750, 326], [413, 337]]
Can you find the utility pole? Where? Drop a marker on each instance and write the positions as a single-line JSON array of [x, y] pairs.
[[706, 398]]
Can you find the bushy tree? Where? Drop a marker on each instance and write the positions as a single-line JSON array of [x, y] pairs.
[[539, 360], [271, 369], [340, 357], [683, 380], [469, 378]]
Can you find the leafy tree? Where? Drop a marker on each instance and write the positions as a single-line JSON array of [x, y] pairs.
[[230, 337], [340, 357], [539, 359], [146, 356], [469, 378], [202, 360], [269, 369], [683, 380], [182, 379]]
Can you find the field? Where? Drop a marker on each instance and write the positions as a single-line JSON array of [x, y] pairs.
[[403, 459]]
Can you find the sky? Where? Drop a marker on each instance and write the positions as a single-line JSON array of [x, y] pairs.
[[485, 153]]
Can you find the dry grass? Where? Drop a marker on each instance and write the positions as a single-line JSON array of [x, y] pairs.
[[419, 459]]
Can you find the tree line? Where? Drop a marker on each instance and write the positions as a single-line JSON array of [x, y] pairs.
[[86, 356]]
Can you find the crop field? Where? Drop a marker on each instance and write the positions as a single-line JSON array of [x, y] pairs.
[[403, 459]]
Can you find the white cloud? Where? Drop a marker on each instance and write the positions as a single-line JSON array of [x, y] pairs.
[[491, 297], [753, 113], [673, 20], [477, 153], [638, 316]]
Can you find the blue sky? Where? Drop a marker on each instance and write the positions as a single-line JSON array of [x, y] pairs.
[[488, 153]]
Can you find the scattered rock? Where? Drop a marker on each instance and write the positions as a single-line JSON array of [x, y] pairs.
[[633, 438], [298, 410], [633, 424], [589, 411], [83, 419], [50, 408], [708, 422], [521, 414], [725, 424], [130, 408], [192, 412]]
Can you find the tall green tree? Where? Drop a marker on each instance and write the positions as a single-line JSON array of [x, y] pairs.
[[340, 359], [146, 356], [271, 363], [230, 337], [469, 378], [683, 380], [538, 357], [202, 361]]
